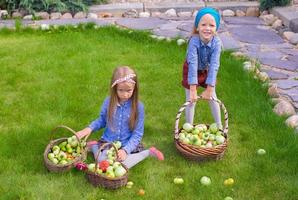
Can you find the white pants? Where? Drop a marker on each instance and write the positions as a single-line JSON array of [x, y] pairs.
[[214, 106], [131, 159]]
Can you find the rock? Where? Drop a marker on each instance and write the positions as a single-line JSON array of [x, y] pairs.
[[171, 13], [3, 14], [55, 15], [277, 23], [44, 27], [79, 15], [248, 66], [240, 13], [228, 13], [156, 14], [252, 12], [288, 34], [160, 38], [144, 14], [105, 15], [265, 12], [268, 19], [92, 16], [263, 76], [294, 39], [132, 13], [273, 91], [184, 14], [66, 16], [180, 42], [284, 108], [28, 17], [17, 15], [292, 121], [43, 15], [238, 54]]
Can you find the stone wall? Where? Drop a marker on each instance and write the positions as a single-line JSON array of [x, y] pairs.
[[169, 1], [294, 2]]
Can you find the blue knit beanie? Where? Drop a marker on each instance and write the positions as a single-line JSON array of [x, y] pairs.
[[208, 10]]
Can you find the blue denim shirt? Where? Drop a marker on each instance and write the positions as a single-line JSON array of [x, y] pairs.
[[120, 131], [202, 56]]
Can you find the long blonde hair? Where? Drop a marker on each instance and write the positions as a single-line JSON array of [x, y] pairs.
[[118, 73]]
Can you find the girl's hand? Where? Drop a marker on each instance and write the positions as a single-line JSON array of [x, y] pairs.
[[122, 155], [193, 93], [84, 132], [207, 94]]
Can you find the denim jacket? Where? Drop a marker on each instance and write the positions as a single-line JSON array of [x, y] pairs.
[[120, 131], [202, 56]]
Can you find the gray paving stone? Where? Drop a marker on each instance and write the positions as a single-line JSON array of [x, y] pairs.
[[294, 24], [171, 33], [244, 20], [178, 6], [283, 45], [186, 26], [292, 93], [286, 14], [273, 75], [100, 22], [287, 84], [175, 18], [141, 23], [228, 41], [269, 54], [255, 35], [169, 25], [280, 64]]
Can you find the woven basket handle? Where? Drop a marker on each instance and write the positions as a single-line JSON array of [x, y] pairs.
[[99, 152], [69, 129], [226, 126]]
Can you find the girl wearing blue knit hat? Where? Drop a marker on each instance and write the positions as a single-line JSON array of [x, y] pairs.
[[202, 62]]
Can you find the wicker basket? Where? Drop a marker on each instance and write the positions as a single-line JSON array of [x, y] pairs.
[[199, 153], [103, 181], [59, 167]]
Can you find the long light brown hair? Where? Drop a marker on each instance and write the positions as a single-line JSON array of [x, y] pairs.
[[121, 72]]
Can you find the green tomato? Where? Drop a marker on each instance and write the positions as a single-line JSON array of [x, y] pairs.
[[187, 127], [51, 155], [205, 180], [56, 148], [63, 144], [178, 181], [228, 198], [261, 152], [213, 128], [55, 161]]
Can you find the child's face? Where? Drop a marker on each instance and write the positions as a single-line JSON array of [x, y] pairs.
[[125, 90], [207, 28]]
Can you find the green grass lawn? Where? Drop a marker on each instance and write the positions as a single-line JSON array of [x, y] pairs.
[[62, 77]]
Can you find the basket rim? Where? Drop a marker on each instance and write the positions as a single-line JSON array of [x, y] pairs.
[[182, 108], [72, 162]]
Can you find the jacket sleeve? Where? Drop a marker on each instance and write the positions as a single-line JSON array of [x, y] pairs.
[[192, 60], [101, 121], [137, 133], [214, 63]]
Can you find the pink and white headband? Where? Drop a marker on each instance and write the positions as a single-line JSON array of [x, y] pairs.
[[127, 78]]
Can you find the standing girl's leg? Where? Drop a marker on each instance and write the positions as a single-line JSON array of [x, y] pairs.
[[135, 158], [215, 109], [190, 109]]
